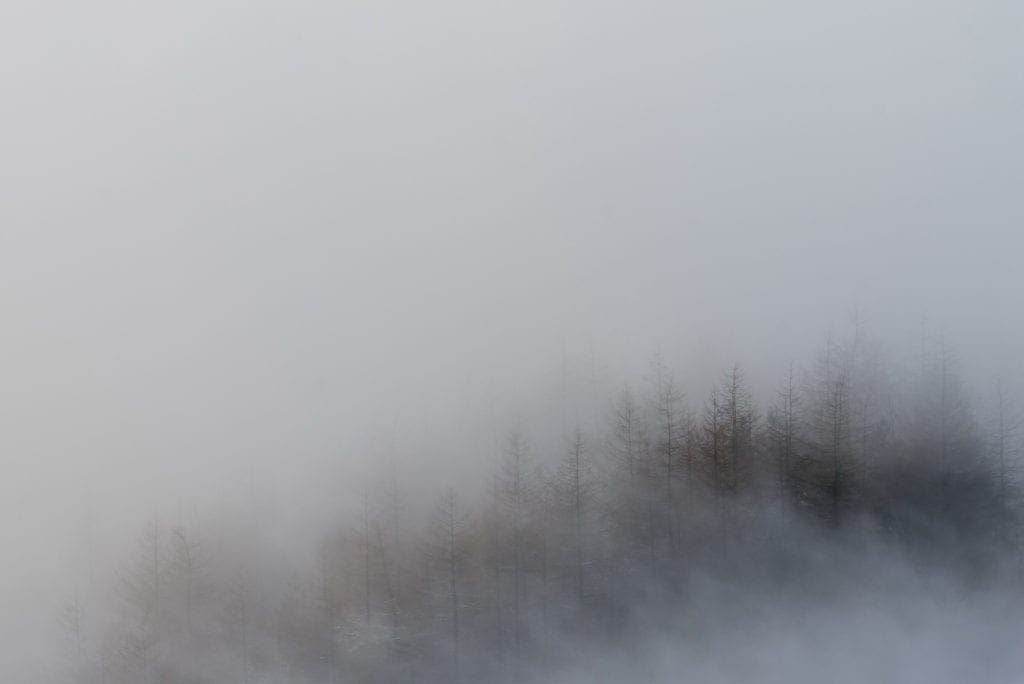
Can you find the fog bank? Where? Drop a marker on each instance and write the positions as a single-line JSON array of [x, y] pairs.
[[250, 251]]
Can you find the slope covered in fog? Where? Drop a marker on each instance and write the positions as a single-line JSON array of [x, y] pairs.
[[864, 525]]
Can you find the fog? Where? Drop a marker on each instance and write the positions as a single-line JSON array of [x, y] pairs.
[[258, 258]]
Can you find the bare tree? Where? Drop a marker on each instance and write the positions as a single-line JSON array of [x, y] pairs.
[[71, 620], [142, 588], [445, 551], [573, 489], [713, 439], [515, 491], [740, 420], [826, 470], [629, 475], [187, 566], [670, 423], [837, 415], [627, 435], [782, 433]]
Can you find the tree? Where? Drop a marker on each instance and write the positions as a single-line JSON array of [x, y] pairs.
[[73, 626], [142, 589], [740, 420], [573, 490], [837, 417], [713, 438], [726, 433], [943, 426], [445, 554], [670, 422], [631, 498], [825, 472], [1005, 441], [187, 567], [515, 492], [782, 434], [871, 396], [628, 434]]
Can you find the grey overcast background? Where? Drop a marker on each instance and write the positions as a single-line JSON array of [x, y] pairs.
[[237, 233]]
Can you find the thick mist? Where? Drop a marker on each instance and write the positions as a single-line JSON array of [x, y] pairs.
[[265, 267]]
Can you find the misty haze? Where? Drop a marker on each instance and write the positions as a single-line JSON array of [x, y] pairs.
[[511, 342]]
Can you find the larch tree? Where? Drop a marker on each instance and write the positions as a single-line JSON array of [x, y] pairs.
[[826, 475], [669, 420], [573, 488], [740, 420], [445, 551], [782, 434], [72, 623], [712, 439], [628, 476], [188, 564], [515, 491], [143, 591]]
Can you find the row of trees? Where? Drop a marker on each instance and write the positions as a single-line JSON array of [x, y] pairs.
[[577, 544]]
